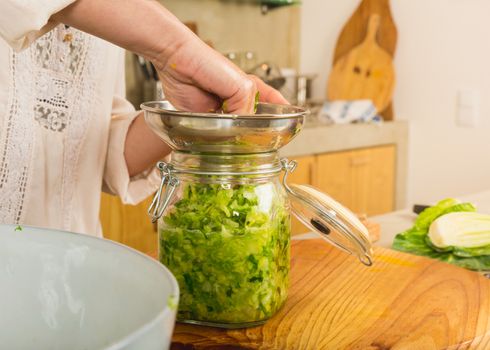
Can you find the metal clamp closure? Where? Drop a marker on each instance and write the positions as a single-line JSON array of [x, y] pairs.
[[288, 167], [161, 198]]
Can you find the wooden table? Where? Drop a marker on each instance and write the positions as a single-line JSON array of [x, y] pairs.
[[401, 302]]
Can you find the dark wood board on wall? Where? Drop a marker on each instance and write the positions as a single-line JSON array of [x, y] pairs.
[[354, 33]]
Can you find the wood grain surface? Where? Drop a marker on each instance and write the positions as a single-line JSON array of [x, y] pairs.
[[365, 72], [354, 31], [401, 302], [128, 224]]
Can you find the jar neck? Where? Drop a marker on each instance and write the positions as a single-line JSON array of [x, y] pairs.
[[226, 164]]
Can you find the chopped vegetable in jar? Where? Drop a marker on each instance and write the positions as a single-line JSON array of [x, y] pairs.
[[228, 246]]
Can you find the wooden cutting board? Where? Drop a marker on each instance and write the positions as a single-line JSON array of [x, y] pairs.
[[365, 72], [401, 302], [354, 32]]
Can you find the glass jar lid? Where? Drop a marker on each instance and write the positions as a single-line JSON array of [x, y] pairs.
[[331, 220]]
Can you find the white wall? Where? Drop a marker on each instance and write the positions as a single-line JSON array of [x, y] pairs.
[[443, 46]]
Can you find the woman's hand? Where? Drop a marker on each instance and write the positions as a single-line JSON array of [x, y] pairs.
[[194, 76], [197, 78]]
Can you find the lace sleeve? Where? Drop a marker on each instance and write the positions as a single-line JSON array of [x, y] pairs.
[[22, 22], [116, 176]]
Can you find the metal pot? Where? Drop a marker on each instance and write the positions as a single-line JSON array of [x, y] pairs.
[[298, 88]]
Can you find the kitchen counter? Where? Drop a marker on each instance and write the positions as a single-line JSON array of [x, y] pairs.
[[317, 138]]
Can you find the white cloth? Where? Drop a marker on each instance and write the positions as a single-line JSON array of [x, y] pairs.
[[63, 122], [350, 111]]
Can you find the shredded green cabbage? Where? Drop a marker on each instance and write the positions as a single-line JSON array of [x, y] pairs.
[[229, 250]]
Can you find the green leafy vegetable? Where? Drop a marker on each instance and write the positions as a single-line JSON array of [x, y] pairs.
[[256, 102], [224, 106], [416, 240], [471, 252], [229, 250], [172, 302], [463, 229], [18, 228], [426, 217]]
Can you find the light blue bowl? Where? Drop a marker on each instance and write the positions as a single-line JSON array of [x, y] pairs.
[[61, 290]]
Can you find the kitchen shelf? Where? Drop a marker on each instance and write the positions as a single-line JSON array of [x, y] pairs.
[[276, 3], [266, 5]]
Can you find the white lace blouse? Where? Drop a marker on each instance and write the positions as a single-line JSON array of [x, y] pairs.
[[63, 121]]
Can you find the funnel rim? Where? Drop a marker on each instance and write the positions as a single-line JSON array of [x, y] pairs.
[[296, 112]]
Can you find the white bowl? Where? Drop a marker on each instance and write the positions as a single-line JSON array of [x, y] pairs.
[[61, 290]]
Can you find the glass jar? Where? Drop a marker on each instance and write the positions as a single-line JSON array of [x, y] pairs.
[[225, 235], [224, 213]]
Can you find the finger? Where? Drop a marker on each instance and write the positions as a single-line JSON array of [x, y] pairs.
[[186, 97], [268, 93], [243, 100], [192, 99]]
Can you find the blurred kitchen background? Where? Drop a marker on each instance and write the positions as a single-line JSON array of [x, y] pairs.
[[237, 29], [428, 137]]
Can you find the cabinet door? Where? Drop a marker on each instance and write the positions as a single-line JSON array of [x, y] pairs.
[[363, 180], [381, 182], [128, 224], [303, 174]]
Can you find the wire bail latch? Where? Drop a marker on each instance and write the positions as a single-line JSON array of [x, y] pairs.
[[162, 198]]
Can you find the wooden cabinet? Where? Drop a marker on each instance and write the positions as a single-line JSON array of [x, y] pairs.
[[128, 224], [363, 180], [303, 174]]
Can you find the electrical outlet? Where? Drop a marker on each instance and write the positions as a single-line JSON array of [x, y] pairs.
[[468, 108]]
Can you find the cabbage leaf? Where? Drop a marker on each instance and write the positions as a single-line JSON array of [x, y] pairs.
[[416, 241]]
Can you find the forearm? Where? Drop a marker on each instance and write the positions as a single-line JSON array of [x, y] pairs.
[[194, 76], [142, 26], [142, 147]]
